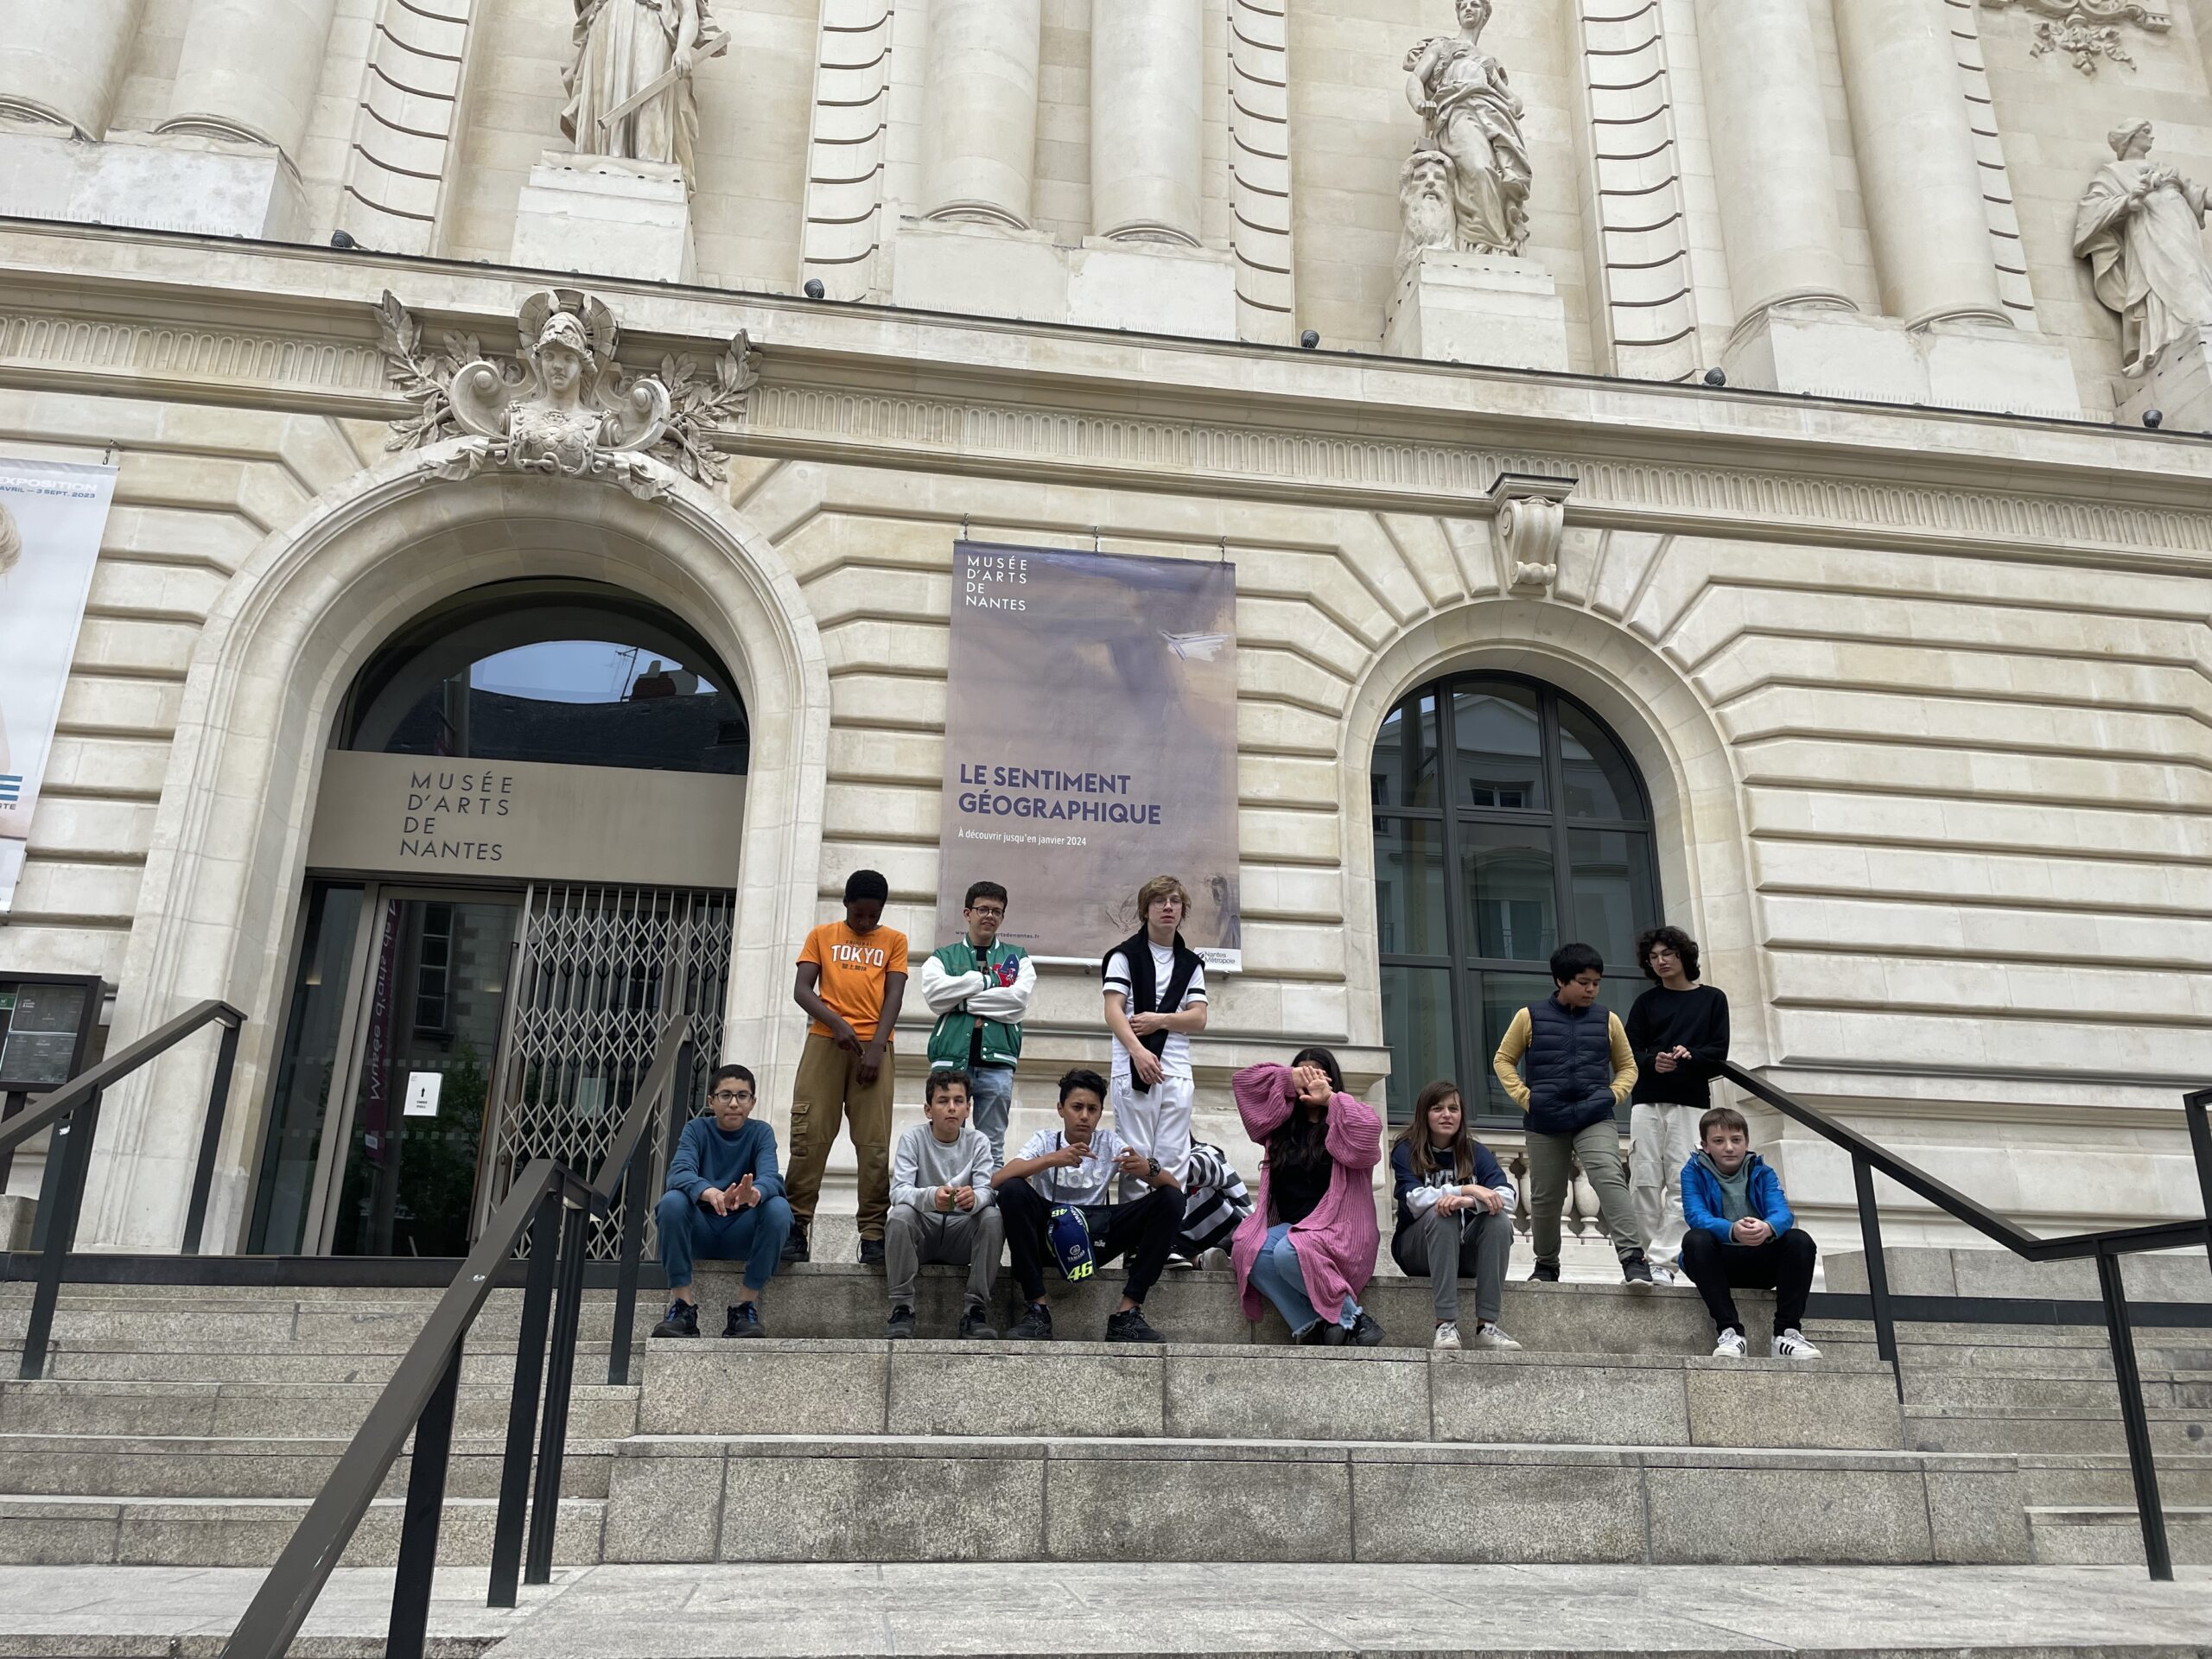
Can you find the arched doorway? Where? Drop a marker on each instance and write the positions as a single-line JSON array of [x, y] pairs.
[[1507, 820], [523, 859]]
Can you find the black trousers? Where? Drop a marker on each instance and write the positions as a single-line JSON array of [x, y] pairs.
[[1144, 1231], [1784, 1265]]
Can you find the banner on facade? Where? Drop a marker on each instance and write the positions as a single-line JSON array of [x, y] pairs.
[[52, 516], [1090, 744]]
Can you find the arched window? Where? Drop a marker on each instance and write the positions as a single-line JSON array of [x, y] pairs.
[[571, 673], [1507, 820]]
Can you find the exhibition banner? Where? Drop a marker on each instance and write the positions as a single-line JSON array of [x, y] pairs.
[[52, 516], [1090, 744]]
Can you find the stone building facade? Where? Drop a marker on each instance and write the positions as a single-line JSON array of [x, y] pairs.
[[1902, 619]]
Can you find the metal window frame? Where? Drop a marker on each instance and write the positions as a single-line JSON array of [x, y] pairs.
[[1464, 967]]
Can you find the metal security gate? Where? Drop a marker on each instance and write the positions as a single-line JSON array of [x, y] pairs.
[[597, 972]]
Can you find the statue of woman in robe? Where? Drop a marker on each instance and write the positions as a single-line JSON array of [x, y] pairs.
[[2140, 225], [625, 47], [1471, 115]]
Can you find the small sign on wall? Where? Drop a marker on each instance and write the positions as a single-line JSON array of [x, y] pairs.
[[422, 1090]]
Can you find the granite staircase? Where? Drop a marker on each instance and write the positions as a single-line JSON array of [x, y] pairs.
[[190, 1428]]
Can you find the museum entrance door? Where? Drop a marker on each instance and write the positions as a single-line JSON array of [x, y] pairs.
[[441, 1038]]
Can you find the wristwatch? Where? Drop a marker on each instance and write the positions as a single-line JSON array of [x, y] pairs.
[[1152, 1167]]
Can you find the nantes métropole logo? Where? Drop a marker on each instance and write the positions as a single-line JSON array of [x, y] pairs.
[[994, 581]]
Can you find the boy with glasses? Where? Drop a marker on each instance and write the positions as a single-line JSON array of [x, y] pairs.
[[724, 1201], [980, 990]]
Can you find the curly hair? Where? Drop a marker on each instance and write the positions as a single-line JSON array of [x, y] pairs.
[[1675, 940]]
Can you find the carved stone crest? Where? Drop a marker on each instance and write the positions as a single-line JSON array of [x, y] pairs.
[[2088, 30], [562, 404]]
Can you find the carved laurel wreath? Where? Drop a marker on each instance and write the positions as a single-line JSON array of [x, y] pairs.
[[706, 397]]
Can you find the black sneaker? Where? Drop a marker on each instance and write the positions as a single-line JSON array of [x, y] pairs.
[[1366, 1332], [682, 1320], [871, 1252], [1636, 1271], [1035, 1324], [1322, 1333], [901, 1328], [743, 1320], [976, 1324], [1130, 1326], [795, 1247], [1544, 1273]]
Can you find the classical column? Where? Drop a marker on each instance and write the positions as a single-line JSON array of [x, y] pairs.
[[248, 71], [1147, 89], [1917, 171], [979, 128], [63, 62], [1771, 165]]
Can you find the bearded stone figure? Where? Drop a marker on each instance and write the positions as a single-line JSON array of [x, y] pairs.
[[1425, 206], [1470, 114], [630, 93], [2140, 225]]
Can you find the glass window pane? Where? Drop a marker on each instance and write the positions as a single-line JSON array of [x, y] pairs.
[[1409, 887], [1505, 878], [1417, 1026], [1500, 759], [1499, 997], [303, 1093], [1613, 899], [1598, 780], [1404, 772]]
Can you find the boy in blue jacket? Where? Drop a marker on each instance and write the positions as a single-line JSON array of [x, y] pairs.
[[725, 1201], [1741, 1233]]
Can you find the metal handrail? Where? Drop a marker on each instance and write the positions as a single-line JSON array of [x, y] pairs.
[[1869, 1157], [555, 1207], [73, 1111]]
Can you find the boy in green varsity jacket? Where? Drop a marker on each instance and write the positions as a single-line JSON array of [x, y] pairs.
[[980, 990]]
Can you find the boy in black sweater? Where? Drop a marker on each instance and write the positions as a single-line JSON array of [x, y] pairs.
[[1678, 1031]]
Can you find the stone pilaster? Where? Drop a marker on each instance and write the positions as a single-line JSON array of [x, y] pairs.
[[1147, 88], [248, 70], [979, 130], [62, 63]]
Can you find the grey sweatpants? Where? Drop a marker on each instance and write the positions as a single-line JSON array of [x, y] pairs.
[[1449, 1248], [1598, 1146], [970, 1239]]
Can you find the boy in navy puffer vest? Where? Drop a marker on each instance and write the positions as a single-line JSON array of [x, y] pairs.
[[1566, 1062]]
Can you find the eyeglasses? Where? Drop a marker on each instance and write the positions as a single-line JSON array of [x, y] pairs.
[[989, 912], [731, 1097]]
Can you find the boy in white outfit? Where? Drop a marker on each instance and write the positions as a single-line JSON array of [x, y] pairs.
[[1155, 995]]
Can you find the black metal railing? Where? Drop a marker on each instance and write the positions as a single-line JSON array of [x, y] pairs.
[[1869, 1159], [72, 1112], [554, 1208]]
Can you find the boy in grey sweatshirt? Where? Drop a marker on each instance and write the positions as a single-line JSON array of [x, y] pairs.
[[942, 1207]]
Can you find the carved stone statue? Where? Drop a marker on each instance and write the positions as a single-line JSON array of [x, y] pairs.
[[1470, 115], [630, 93], [2140, 226], [563, 405], [1425, 205]]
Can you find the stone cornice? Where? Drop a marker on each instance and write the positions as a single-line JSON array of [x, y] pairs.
[[201, 320]]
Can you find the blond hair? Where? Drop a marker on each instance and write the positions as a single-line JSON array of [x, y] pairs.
[[1159, 887], [11, 540]]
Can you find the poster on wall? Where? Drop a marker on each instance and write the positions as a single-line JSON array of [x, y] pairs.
[[1090, 744], [52, 516]]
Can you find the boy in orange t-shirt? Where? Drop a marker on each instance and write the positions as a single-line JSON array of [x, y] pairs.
[[852, 977]]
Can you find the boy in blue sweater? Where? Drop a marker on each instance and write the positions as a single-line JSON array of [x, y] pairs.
[[725, 1201], [1741, 1233]]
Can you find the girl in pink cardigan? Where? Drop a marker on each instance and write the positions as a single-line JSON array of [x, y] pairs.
[[1312, 1240]]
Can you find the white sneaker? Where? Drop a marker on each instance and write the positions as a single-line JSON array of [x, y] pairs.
[[1447, 1335], [1490, 1336], [1731, 1345], [1665, 1275], [1791, 1344]]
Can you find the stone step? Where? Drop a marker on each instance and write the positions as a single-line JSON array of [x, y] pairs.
[[278, 1410], [207, 1466], [1035, 1498], [2047, 1429], [37, 1531], [2112, 1535], [778, 1386], [2063, 1479]]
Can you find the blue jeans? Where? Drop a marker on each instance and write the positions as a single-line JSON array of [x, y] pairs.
[[754, 1237], [990, 1094], [1277, 1275]]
